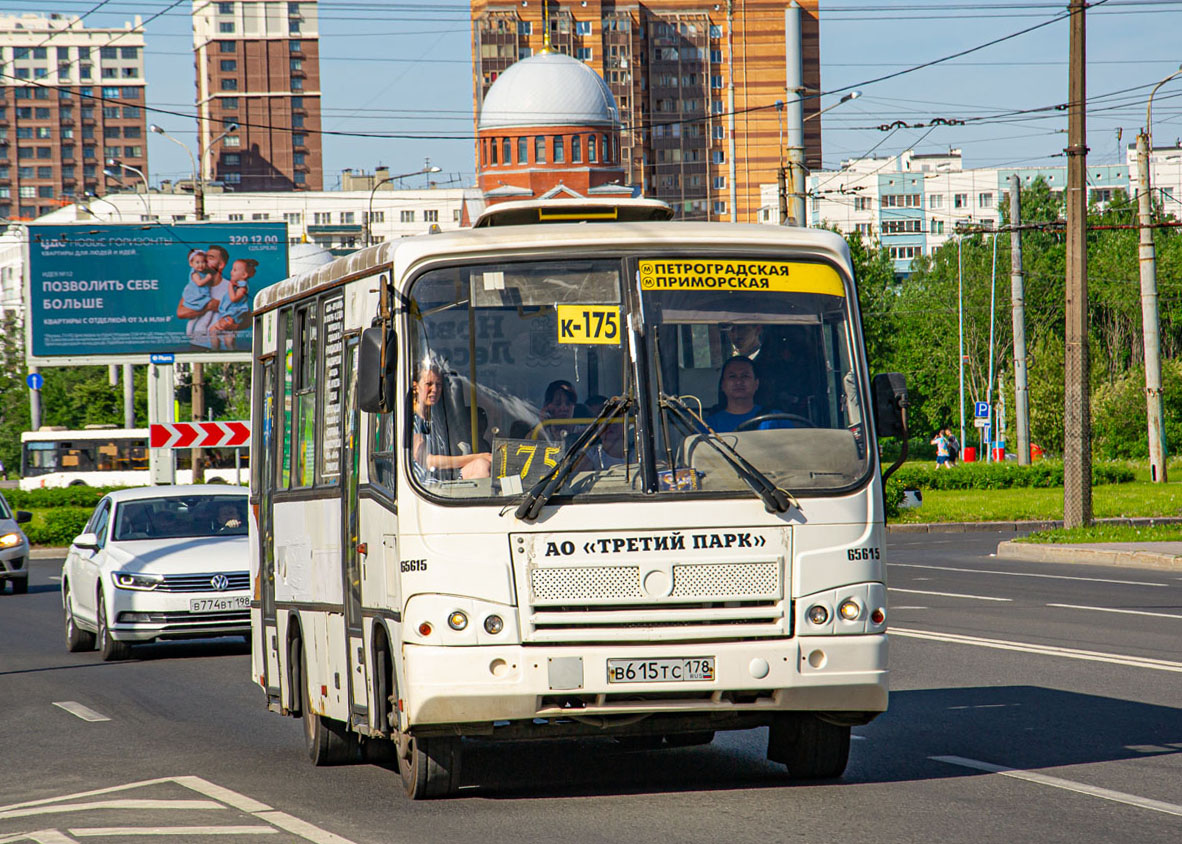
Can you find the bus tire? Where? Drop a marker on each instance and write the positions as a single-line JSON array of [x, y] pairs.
[[327, 741], [430, 767], [77, 639], [111, 649], [810, 748]]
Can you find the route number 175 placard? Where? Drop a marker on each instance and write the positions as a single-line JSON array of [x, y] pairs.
[[589, 324]]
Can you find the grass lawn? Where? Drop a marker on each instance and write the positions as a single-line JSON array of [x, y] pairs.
[[1108, 533], [1136, 499]]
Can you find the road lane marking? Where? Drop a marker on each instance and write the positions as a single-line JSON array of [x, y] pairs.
[[224, 795], [948, 594], [1044, 650], [301, 828], [1031, 574], [1066, 785], [51, 809], [1113, 609], [41, 836], [894, 609], [95, 831], [83, 712]]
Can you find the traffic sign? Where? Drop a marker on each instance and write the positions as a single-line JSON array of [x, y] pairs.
[[981, 410], [199, 435], [162, 357], [981, 422], [35, 380]]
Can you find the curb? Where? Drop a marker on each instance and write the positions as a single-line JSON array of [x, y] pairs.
[[41, 553], [975, 527], [1035, 553]]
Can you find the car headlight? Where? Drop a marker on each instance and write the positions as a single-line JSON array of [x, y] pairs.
[[134, 580], [9, 540]]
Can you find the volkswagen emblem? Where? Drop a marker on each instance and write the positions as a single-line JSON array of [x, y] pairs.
[[220, 582]]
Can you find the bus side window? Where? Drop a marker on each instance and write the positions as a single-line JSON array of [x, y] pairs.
[[304, 423], [381, 460]]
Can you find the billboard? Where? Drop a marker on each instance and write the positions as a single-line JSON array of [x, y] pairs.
[[121, 292]]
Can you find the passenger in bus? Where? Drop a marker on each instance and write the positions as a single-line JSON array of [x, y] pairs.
[[559, 403], [737, 386], [745, 339], [431, 448], [608, 449]]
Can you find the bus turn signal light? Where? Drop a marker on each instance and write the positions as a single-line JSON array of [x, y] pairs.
[[878, 616], [849, 609], [457, 620], [425, 629], [818, 614]]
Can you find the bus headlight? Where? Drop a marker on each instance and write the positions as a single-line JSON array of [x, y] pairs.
[[818, 614], [457, 620], [494, 624], [850, 609]]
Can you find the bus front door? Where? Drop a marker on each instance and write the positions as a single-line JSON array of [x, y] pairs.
[[265, 451], [350, 524]]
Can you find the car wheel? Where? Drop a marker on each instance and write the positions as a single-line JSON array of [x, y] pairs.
[[77, 639], [112, 649], [20, 585]]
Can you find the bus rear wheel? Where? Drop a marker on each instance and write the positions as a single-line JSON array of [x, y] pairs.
[[810, 748], [430, 767], [327, 741]]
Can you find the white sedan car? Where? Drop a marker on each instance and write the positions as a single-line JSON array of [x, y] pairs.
[[166, 562]]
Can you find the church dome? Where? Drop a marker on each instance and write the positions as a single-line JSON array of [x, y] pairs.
[[550, 89]]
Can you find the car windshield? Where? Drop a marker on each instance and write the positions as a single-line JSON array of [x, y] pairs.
[[181, 516], [513, 363]]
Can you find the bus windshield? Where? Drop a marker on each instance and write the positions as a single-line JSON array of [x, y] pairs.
[[516, 365]]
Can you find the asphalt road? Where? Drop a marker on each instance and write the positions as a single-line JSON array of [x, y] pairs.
[[1030, 702]]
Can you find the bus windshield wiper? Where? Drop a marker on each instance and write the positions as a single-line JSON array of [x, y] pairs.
[[533, 501], [775, 499]]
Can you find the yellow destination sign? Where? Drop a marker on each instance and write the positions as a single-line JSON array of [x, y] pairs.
[[740, 276], [589, 324]]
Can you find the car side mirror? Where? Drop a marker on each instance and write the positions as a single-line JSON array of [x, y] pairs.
[[376, 361], [23, 516], [890, 401], [86, 541]]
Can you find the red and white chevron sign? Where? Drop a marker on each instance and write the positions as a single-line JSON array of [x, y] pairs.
[[199, 434]]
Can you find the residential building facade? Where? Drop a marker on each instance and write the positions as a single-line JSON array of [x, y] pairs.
[[258, 66], [71, 101], [668, 65]]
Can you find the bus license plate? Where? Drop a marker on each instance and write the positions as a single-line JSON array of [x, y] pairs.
[[240, 602], [681, 670]]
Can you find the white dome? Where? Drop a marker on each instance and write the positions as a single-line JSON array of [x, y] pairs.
[[549, 89]]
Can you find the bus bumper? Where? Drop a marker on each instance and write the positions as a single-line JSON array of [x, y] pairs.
[[465, 685]]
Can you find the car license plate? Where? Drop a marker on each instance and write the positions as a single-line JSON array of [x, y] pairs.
[[680, 670], [239, 602]]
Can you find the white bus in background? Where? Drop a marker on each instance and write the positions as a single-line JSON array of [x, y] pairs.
[[106, 456], [487, 502]]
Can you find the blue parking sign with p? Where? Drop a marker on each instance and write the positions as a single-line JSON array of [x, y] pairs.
[[981, 410]]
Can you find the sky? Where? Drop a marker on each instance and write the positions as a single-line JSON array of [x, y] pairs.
[[403, 70]]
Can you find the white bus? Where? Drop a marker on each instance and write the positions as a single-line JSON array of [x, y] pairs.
[[103, 455], [504, 490]]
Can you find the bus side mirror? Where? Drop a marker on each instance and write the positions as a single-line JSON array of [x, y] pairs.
[[890, 400], [375, 370]]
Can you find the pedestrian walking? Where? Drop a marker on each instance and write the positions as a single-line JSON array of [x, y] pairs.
[[953, 447], [941, 444]]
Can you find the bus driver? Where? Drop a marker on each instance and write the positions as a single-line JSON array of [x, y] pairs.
[[431, 446]]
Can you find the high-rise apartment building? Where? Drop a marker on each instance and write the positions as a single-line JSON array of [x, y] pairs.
[[669, 64], [258, 66], [71, 99]]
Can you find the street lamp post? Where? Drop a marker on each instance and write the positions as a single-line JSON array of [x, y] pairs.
[[95, 197], [792, 196], [198, 175], [113, 168], [378, 184], [1150, 331]]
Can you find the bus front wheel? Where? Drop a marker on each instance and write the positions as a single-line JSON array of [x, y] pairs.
[[430, 767], [810, 748]]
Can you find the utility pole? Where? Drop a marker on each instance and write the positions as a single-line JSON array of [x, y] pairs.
[[794, 191], [128, 396], [197, 370], [1149, 317], [1018, 298], [1077, 434], [730, 109]]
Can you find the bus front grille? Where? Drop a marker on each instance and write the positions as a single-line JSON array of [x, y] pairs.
[[584, 603]]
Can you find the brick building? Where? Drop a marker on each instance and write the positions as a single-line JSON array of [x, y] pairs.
[[668, 64], [258, 65], [71, 99], [549, 127]]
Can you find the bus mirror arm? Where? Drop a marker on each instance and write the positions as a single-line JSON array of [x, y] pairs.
[[890, 412], [377, 357]]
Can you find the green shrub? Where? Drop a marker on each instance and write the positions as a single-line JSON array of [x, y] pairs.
[[893, 496], [69, 496], [59, 526], [1042, 474]]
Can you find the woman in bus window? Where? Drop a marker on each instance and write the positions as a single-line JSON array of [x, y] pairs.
[[430, 446]]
